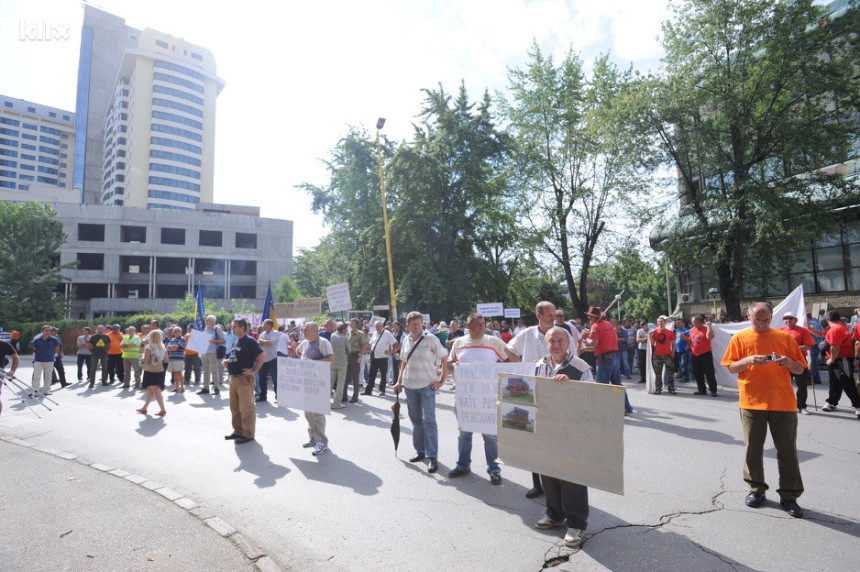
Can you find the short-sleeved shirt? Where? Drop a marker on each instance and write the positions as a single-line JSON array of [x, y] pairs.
[[681, 343], [43, 349], [271, 351], [604, 333], [767, 386], [487, 349], [642, 333], [801, 335], [621, 339], [663, 339], [357, 341], [530, 344], [699, 342], [6, 350], [243, 355], [216, 333], [339, 348], [101, 343], [84, 351], [317, 349], [115, 343], [837, 335], [857, 332], [179, 353], [420, 368], [385, 339]]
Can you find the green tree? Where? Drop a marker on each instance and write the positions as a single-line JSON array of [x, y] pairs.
[[755, 100], [286, 290], [577, 161], [643, 283], [189, 305], [30, 273], [449, 191]]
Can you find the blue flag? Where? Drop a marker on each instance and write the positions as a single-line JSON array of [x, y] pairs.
[[199, 312], [269, 307]]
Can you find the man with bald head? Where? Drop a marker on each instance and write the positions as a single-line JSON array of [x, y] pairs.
[[764, 360], [566, 502]]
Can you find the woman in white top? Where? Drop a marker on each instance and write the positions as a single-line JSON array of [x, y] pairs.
[[153, 381]]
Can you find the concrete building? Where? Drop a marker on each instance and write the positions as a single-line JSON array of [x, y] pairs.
[[37, 146], [136, 259]]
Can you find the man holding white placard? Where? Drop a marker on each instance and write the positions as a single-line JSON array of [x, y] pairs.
[[478, 347], [315, 347]]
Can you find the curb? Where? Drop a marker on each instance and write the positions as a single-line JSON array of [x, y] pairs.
[[261, 560]]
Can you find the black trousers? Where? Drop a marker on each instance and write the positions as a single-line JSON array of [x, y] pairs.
[[840, 383], [115, 366], [703, 369], [801, 381], [643, 365], [566, 500], [377, 365]]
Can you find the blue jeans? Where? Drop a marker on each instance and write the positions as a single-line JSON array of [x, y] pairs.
[[625, 366], [813, 362], [268, 369], [421, 404], [608, 372], [684, 365], [491, 451]]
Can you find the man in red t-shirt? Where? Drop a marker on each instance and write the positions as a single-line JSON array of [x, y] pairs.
[[662, 339], [700, 337], [839, 364], [803, 337], [605, 343]]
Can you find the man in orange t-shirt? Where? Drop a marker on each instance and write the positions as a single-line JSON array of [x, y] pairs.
[[764, 360], [114, 362]]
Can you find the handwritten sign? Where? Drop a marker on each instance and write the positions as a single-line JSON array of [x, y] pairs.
[[537, 436], [512, 313], [307, 307], [494, 309], [338, 297], [304, 384], [478, 391], [285, 310]]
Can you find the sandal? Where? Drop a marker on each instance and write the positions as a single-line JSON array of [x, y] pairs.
[[161, 413], [141, 411]]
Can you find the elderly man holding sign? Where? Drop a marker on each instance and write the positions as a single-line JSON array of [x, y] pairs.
[[566, 502]]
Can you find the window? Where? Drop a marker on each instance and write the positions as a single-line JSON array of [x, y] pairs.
[[177, 106], [90, 291], [210, 238], [243, 291], [172, 236], [134, 265], [91, 261], [9, 121], [158, 167], [91, 232], [136, 234], [175, 130], [171, 265], [178, 93], [197, 56], [166, 182], [243, 268], [172, 291], [161, 44], [178, 157], [246, 240]]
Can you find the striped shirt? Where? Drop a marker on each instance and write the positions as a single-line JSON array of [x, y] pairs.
[[488, 349]]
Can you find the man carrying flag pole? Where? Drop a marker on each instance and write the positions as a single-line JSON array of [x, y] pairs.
[[268, 340]]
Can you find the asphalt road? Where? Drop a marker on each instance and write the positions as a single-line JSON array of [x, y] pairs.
[[360, 507]]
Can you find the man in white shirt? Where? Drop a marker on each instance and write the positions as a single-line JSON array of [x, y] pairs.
[[268, 341], [478, 347], [315, 347], [382, 345]]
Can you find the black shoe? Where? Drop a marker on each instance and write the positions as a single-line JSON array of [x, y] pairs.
[[232, 436], [259, 399], [658, 391], [365, 392], [381, 394], [791, 507], [203, 392], [416, 457], [354, 400], [216, 391], [91, 385], [754, 499], [458, 472], [713, 394], [496, 478], [534, 493], [344, 400], [700, 392], [641, 382], [672, 391], [240, 440], [433, 466], [64, 384]]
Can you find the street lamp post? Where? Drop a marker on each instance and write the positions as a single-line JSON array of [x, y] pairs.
[[379, 124], [713, 292]]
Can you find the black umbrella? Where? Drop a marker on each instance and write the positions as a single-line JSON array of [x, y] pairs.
[[395, 423]]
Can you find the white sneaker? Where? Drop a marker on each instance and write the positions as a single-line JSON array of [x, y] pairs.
[[338, 406], [319, 449], [546, 522], [804, 411], [573, 537], [857, 412], [829, 407], [310, 443]]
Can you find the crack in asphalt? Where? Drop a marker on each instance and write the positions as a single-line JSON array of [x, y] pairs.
[[561, 555], [810, 434]]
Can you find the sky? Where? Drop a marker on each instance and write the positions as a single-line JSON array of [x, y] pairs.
[[299, 74]]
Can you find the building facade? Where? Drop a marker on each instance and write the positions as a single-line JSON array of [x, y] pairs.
[[37, 146]]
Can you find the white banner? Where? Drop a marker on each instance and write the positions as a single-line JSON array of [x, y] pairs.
[[512, 313], [794, 302], [304, 384], [490, 310], [478, 391], [338, 297], [198, 341]]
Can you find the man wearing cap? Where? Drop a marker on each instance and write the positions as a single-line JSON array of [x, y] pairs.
[[115, 368], [604, 341], [804, 339]]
